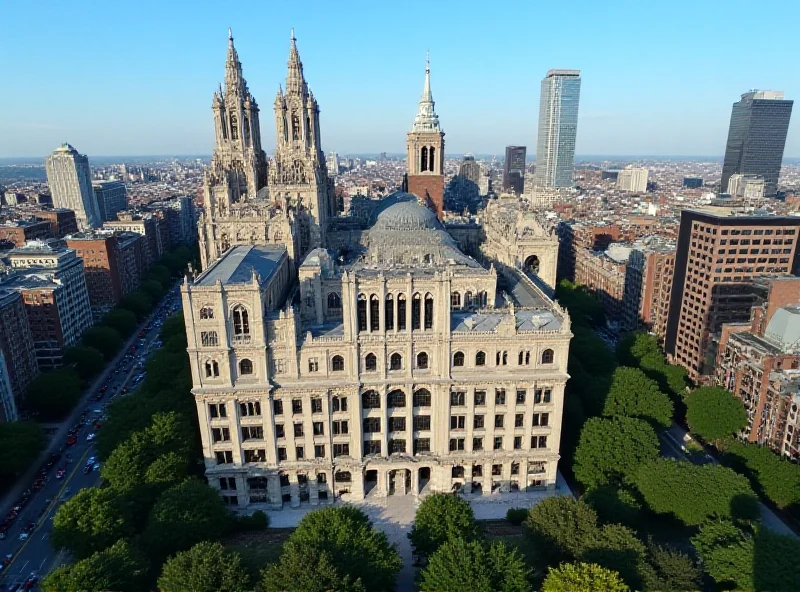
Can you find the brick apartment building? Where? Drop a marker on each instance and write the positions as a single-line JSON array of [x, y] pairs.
[[17, 232], [759, 362], [603, 272], [648, 285], [62, 221], [718, 257], [17, 351]]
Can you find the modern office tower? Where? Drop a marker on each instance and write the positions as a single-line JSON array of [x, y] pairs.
[[756, 137], [112, 197], [16, 348], [425, 151], [514, 169], [70, 181], [558, 128], [718, 257], [693, 182], [746, 186], [633, 179], [470, 169]]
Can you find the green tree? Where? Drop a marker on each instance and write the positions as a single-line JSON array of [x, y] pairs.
[[206, 567], [559, 527], [776, 476], [713, 413], [174, 262], [154, 289], [183, 516], [595, 356], [461, 565], [671, 570], [104, 339], [120, 568], [87, 361], [52, 395], [21, 442], [614, 504], [633, 394], [584, 309], [635, 346], [91, 521], [342, 543], [612, 449], [695, 493], [440, 518], [139, 303], [161, 274], [122, 321], [616, 547], [582, 577]]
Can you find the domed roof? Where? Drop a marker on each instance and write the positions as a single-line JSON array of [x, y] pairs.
[[407, 215]]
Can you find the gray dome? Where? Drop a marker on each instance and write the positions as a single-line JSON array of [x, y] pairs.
[[406, 216]]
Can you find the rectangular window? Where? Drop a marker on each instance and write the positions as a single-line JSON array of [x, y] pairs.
[[257, 455], [397, 446], [281, 454], [477, 422], [519, 420], [319, 451], [297, 406], [279, 431], [224, 457], [457, 422], [252, 433], [456, 444], [220, 435], [319, 428], [498, 442], [497, 470], [313, 365], [300, 453], [545, 419], [422, 422], [547, 395], [457, 399], [216, 410], [250, 409], [230, 500], [520, 396], [339, 404], [517, 442], [372, 425], [227, 483], [316, 405], [372, 447], [341, 450], [480, 398], [537, 395], [500, 396], [498, 420], [397, 424], [542, 441], [277, 407], [422, 445], [477, 444], [340, 427], [298, 430]]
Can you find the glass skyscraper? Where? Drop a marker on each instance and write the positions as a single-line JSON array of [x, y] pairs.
[[756, 138], [558, 127]]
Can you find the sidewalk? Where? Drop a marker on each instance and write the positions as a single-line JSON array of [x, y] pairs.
[[58, 439]]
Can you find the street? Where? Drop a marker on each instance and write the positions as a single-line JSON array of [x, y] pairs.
[[32, 556]]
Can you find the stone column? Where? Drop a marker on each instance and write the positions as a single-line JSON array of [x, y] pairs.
[[467, 478], [274, 490], [357, 484], [294, 490], [313, 490]]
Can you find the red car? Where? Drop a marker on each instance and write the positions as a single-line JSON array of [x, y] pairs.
[[71, 441]]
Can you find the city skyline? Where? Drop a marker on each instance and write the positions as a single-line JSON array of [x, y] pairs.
[[152, 95]]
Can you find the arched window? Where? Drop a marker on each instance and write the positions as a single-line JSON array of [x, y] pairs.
[[547, 356], [337, 364], [295, 126], [468, 299], [455, 300], [432, 154], [212, 369], [308, 129], [246, 130], [206, 312], [334, 301], [521, 356], [245, 367], [342, 477], [234, 128], [532, 264], [389, 312], [374, 313], [370, 363], [396, 362], [362, 312], [458, 359], [396, 398], [371, 400], [423, 159], [527, 358], [241, 321], [480, 359], [416, 305], [422, 361], [401, 312], [422, 398], [209, 339], [428, 311], [484, 298]]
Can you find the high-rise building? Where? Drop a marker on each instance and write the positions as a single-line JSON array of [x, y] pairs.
[[746, 186], [648, 284], [514, 169], [756, 137], [16, 348], [633, 179], [558, 128], [470, 169], [70, 181], [333, 164], [112, 197], [718, 257], [693, 182], [425, 147]]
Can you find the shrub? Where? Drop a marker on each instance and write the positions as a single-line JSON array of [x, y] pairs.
[[516, 516]]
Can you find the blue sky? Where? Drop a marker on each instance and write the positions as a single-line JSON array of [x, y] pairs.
[[135, 78]]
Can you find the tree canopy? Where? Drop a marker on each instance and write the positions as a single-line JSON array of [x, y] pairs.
[[609, 450], [776, 476], [91, 521], [617, 547], [584, 309], [614, 504], [153, 288], [459, 565], [120, 568], [341, 547], [87, 361], [161, 274], [139, 303], [582, 577], [53, 394], [633, 394], [559, 527], [713, 413], [21, 442], [206, 567], [671, 570], [442, 517], [183, 516], [104, 339], [695, 493], [122, 321]]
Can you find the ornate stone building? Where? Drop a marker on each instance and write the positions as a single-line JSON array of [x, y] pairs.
[[373, 356], [249, 200]]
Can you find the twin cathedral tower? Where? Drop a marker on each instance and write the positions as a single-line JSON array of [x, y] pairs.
[[288, 199]]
